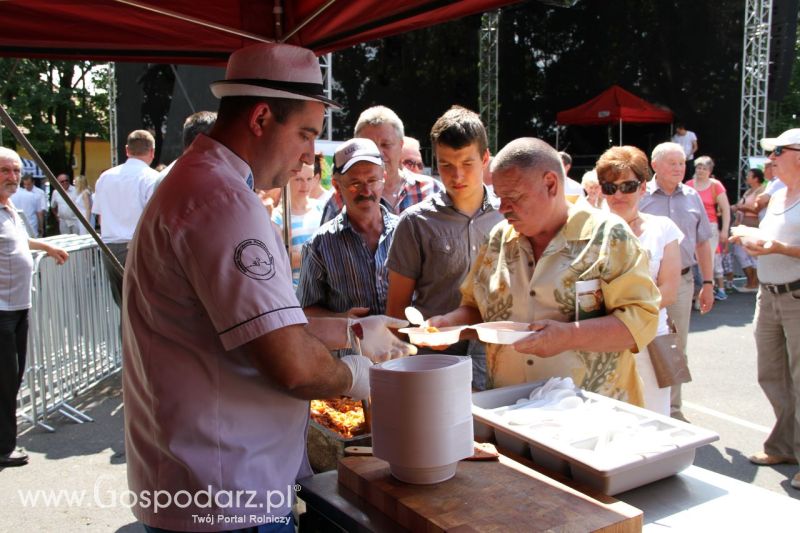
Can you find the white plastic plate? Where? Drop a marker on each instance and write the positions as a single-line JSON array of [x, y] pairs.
[[422, 337], [504, 332]]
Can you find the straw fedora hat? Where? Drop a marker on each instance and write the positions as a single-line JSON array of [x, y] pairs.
[[273, 70]]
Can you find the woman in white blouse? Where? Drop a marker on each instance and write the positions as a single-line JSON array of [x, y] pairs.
[[623, 172]]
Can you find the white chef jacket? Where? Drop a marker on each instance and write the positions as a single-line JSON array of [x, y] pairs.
[[206, 273]]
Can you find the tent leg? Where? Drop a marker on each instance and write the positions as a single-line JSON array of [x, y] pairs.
[[620, 132], [557, 138]]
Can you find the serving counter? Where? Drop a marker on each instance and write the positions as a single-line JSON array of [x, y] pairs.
[[693, 500]]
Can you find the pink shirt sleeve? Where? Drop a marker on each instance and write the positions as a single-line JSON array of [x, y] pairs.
[[719, 188], [234, 258]]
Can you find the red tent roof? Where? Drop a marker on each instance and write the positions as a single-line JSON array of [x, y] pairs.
[[611, 106], [207, 31]]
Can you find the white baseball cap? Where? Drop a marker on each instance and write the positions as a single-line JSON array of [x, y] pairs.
[[353, 151], [786, 138]]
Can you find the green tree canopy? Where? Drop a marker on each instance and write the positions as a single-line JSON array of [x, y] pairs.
[[57, 103]]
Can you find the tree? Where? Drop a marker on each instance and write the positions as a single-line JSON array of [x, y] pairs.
[[683, 54], [57, 103], [783, 115]]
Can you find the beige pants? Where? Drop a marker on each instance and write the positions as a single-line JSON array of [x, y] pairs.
[[681, 312], [777, 336]]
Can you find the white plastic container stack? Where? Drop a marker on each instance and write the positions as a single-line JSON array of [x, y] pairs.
[[422, 416], [606, 444]]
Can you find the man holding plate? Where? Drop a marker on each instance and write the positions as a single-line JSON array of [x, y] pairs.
[[529, 270]]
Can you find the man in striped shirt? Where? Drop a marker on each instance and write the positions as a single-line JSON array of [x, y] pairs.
[[343, 269], [402, 188]]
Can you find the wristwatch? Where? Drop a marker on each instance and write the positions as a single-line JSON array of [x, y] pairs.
[[708, 282]]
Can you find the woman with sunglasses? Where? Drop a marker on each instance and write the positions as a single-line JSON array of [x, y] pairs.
[[623, 172]]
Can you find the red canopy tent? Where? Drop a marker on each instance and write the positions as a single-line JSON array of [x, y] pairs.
[[615, 105], [206, 32], [202, 32]]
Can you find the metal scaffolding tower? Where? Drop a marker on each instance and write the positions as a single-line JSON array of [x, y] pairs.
[[326, 64], [112, 112], [755, 81], [488, 74]]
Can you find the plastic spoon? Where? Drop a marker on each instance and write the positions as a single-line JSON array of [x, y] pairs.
[[414, 316]]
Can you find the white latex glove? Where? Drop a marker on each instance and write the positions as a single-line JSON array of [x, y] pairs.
[[380, 344], [359, 369]]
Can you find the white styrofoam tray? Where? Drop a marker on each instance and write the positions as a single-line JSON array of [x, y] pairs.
[[610, 473]]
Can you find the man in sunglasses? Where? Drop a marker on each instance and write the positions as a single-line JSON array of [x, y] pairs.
[[777, 317], [343, 270], [667, 196], [534, 266], [412, 156]]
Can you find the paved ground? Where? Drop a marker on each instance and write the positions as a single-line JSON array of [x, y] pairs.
[[87, 460]]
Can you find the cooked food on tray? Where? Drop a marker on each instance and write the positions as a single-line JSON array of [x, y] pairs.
[[342, 415]]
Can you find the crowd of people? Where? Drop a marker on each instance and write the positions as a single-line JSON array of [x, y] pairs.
[[213, 302]]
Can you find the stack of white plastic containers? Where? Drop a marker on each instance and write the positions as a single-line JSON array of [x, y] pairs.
[[422, 416]]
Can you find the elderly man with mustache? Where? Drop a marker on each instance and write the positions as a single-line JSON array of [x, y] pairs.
[[529, 271], [343, 269]]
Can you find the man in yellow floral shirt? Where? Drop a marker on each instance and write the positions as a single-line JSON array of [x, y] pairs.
[[527, 272]]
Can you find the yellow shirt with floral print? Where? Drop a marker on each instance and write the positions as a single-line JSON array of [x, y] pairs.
[[506, 283]]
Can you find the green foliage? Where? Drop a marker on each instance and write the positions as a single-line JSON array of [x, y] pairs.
[[784, 115], [56, 103], [683, 54]]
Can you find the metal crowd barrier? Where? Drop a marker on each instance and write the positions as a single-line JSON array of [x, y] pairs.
[[74, 332]]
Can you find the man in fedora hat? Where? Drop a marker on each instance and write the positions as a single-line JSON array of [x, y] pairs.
[[220, 360]]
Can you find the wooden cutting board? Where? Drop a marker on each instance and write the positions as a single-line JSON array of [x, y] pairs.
[[485, 496]]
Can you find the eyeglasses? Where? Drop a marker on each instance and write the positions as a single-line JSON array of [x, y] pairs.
[[779, 150], [410, 163], [357, 186], [626, 187], [63, 182]]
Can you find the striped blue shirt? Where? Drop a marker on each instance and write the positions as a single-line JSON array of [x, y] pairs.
[[339, 271]]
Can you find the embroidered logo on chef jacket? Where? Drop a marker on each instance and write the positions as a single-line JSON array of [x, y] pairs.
[[254, 260]]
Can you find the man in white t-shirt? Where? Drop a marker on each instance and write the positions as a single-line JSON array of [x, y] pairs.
[[688, 141], [119, 199], [777, 317], [33, 202]]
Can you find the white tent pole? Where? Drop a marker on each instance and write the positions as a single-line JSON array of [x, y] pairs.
[[620, 131]]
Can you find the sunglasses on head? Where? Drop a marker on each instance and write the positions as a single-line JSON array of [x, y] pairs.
[[779, 149], [626, 187]]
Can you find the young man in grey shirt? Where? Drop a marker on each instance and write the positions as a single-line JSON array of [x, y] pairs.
[[437, 240]]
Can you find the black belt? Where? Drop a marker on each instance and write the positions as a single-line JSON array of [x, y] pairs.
[[781, 288], [685, 271]]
